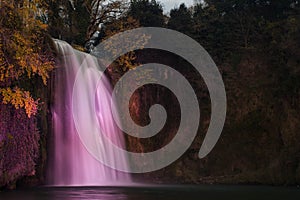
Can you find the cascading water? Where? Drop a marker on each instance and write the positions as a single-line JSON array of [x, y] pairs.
[[70, 164]]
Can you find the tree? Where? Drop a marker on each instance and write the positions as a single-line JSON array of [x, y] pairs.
[[127, 61], [210, 31], [68, 20], [81, 18], [104, 11], [25, 52], [59, 19], [75, 21], [181, 19], [246, 19], [148, 13]]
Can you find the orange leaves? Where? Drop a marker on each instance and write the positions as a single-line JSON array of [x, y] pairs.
[[23, 53], [44, 70], [31, 106], [43, 26], [25, 60], [20, 99]]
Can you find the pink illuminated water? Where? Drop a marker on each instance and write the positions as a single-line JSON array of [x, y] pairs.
[[70, 164]]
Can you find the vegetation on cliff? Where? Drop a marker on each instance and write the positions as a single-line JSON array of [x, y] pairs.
[[26, 59], [254, 43]]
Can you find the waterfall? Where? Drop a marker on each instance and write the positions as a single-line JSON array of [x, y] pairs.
[[70, 163]]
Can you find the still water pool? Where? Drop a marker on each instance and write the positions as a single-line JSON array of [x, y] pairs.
[[186, 192]]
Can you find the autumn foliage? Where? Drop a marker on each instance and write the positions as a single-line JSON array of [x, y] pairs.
[[24, 53], [26, 58]]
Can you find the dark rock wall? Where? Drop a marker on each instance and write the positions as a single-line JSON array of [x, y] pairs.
[[260, 140]]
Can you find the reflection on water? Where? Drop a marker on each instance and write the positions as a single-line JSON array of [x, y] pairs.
[[155, 192]]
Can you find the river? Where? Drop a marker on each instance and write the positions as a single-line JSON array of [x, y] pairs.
[[169, 192]]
